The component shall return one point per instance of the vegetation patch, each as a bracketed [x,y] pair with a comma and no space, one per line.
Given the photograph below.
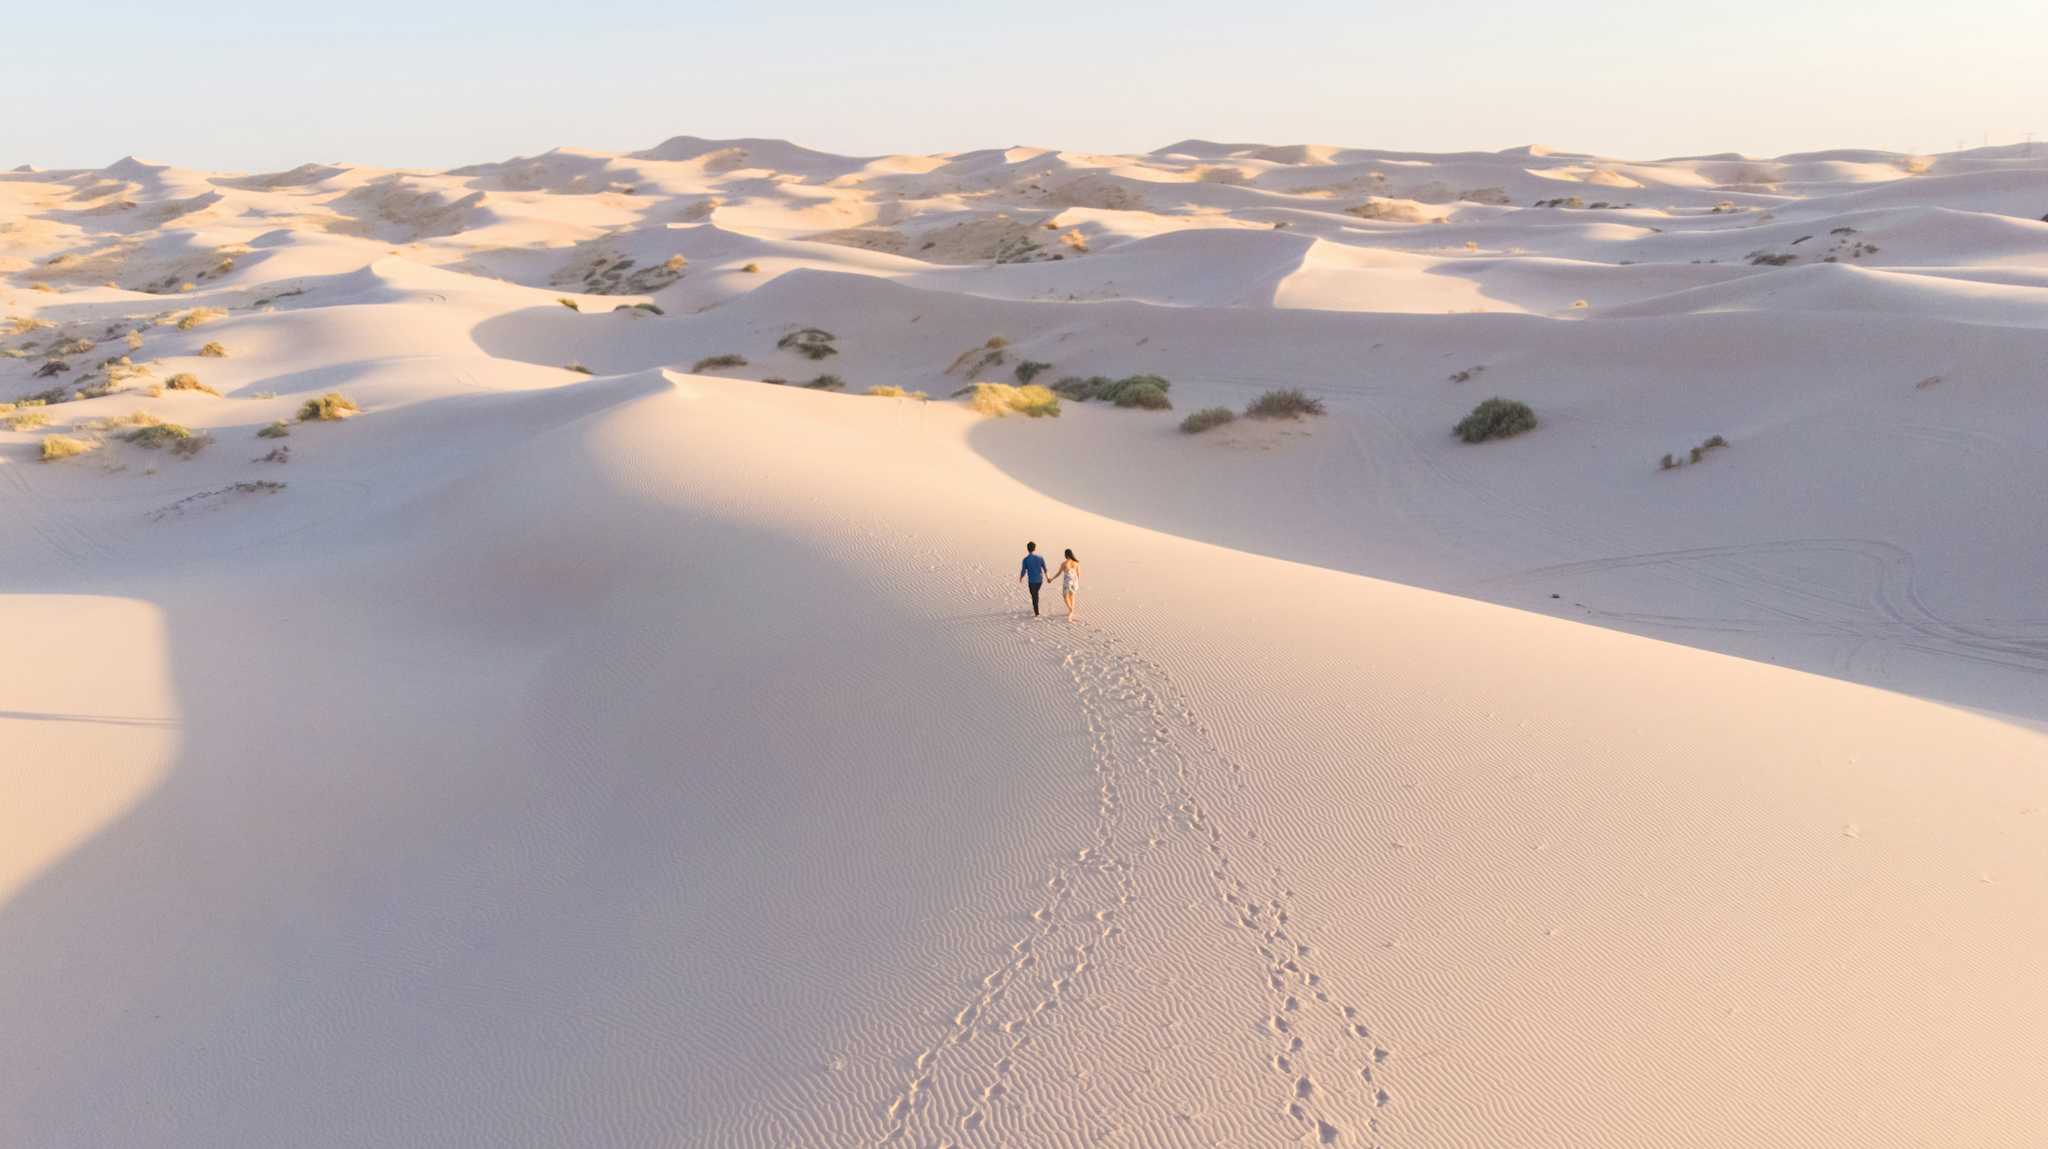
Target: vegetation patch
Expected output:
[57,447]
[1143,391]
[888,392]
[1207,418]
[1001,399]
[1495,418]
[1286,403]
[1031,369]
[179,438]
[199,315]
[578,368]
[827,383]
[25,420]
[809,342]
[326,408]
[184,381]
[277,430]
[569,303]
[715,362]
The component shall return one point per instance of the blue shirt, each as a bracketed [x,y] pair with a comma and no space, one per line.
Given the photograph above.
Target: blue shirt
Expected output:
[1034,568]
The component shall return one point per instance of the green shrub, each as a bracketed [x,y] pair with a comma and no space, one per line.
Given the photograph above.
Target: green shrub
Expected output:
[1145,395]
[1206,418]
[1285,403]
[277,430]
[1030,369]
[1495,419]
[715,362]
[827,383]
[327,407]
[1001,399]
[1150,390]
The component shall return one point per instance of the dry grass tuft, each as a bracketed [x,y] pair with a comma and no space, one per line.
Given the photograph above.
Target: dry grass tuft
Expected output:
[569,303]
[1207,418]
[999,399]
[26,420]
[199,315]
[213,351]
[185,381]
[809,342]
[327,408]
[57,447]
[715,362]
[889,392]
[277,430]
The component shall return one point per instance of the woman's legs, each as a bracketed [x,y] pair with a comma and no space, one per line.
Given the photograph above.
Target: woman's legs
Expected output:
[1070,606]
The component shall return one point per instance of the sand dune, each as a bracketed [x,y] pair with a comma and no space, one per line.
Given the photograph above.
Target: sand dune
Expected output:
[563,747]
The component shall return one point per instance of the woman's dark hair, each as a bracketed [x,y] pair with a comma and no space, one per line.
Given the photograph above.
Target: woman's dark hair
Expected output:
[1070,554]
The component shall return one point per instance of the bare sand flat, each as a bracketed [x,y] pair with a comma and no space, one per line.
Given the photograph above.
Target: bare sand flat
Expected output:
[568,735]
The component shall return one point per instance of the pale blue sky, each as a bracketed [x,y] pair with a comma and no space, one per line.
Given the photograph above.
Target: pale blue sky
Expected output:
[262,86]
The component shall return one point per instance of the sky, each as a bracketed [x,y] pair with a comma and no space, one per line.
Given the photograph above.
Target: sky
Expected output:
[264,86]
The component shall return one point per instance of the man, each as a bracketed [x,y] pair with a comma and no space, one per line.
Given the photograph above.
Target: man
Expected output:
[1033,573]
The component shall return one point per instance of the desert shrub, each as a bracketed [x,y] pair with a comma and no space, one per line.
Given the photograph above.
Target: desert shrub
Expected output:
[809,342]
[277,430]
[1466,375]
[1700,452]
[1144,395]
[1030,369]
[132,419]
[52,367]
[752,269]
[24,420]
[199,315]
[649,308]
[57,447]
[1668,463]
[133,340]
[327,407]
[53,395]
[569,303]
[1495,419]
[888,392]
[1103,389]
[827,383]
[714,362]
[1286,403]
[1206,418]
[1001,399]
[188,382]
[155,435]
[578,368]
[5,408]
[1771,259]
[98,389]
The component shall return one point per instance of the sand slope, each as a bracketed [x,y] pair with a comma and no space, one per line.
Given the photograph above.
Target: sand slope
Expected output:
[645,757]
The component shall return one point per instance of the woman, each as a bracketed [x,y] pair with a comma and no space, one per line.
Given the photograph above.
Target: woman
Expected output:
[1070,580]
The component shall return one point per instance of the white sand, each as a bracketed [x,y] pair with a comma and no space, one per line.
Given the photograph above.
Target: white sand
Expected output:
[652,758]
